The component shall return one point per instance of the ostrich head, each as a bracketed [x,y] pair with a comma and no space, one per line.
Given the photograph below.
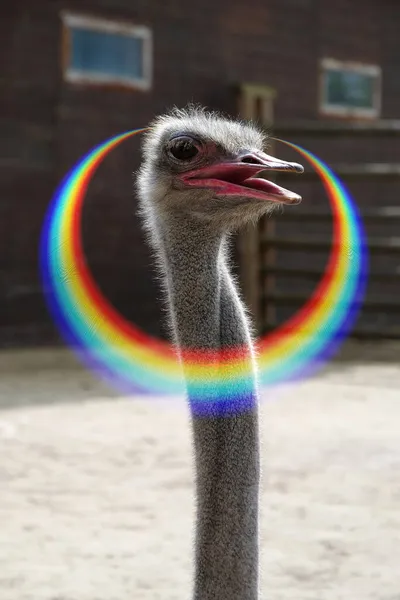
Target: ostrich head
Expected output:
[202,165]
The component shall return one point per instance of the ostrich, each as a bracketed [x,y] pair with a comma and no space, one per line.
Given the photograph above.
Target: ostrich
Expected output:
[196,185]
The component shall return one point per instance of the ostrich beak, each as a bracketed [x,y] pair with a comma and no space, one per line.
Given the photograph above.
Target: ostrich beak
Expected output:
[246,176]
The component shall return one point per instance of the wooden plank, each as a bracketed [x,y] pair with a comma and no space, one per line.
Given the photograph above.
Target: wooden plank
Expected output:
[390,244]
[382,213]
[371,305]
[354,171]
[388,127]
[384,292]
[393,333]
[362,333]
[316,274]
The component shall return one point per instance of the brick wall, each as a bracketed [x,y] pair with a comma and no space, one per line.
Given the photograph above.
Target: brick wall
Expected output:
[201,51]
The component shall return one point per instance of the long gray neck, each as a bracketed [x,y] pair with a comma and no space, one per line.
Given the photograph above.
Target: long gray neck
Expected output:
[207,314]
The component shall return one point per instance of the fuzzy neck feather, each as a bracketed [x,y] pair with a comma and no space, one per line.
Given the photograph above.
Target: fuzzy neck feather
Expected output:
[207,313]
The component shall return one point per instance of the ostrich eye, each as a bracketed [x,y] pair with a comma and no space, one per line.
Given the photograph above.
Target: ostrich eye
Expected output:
[183,149]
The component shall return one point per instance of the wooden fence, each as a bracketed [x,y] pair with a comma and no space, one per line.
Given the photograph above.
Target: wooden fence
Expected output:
[287,255]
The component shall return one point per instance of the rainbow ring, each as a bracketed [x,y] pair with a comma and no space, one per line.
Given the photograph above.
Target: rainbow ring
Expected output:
[134,362]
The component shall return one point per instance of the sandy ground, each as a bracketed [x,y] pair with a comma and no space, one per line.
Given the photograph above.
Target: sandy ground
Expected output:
[96,497]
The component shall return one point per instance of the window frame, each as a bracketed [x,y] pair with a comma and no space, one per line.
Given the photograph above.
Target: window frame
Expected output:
[102,25]
[335,110]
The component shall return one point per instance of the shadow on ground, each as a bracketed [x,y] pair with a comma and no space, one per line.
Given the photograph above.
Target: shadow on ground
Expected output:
[54,375]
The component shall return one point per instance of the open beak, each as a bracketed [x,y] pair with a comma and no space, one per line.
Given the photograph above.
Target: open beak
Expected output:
[246,176]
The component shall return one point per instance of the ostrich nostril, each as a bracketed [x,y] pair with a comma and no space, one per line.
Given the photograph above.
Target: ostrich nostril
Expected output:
[251,159]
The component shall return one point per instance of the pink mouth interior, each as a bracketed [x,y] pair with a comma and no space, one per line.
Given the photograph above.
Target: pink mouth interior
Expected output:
[236,179]
[269,187]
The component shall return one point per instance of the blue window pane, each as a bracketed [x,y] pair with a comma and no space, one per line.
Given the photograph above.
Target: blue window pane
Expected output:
[352,89]
[360,89]
[103,53]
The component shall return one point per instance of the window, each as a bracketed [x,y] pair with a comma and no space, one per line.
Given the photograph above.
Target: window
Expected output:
[99,51]
[350,89]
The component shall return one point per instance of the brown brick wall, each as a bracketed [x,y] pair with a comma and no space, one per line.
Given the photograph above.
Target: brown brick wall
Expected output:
[201,51]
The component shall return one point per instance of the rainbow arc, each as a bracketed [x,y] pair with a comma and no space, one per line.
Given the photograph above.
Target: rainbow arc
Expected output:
[135,362]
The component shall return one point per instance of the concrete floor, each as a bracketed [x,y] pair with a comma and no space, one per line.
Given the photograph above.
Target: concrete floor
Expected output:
[96,497]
